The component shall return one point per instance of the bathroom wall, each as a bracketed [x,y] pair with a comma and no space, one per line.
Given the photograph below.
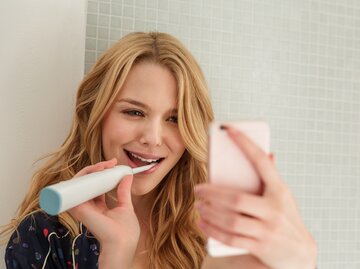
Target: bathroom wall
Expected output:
[293,63]
[42,61]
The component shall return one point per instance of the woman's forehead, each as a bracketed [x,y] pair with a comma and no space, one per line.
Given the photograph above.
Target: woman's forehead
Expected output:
[152,85]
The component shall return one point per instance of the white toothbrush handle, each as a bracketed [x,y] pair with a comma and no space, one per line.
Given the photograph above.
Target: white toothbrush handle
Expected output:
[62,196]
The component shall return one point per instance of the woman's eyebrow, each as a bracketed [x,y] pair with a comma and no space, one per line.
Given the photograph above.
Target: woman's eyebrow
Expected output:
[140,104]
[133,102]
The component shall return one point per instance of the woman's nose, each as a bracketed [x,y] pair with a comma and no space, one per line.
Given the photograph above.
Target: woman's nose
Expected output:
[152,134]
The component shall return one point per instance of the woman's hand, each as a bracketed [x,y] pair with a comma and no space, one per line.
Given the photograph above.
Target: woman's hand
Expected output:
[117,229]
[269,226]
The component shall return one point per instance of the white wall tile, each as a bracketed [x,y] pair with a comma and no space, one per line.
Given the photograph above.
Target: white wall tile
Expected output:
[293,63]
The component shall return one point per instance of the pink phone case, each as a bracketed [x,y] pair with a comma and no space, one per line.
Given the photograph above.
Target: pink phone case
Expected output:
[229,166]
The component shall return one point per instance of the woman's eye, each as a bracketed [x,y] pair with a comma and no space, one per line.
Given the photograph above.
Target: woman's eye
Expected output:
[135,113]
[173,119]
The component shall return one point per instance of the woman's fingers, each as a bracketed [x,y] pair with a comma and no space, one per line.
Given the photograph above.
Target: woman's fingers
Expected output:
[260,160]
[100,203]
[234,199]
[272,158]
[97,167]
[230,221]
[226,238]
[97,204]
[124,192]
[95,220]
[271,229]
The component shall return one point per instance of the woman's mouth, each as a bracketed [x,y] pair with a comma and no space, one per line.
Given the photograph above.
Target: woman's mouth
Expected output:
[136,159]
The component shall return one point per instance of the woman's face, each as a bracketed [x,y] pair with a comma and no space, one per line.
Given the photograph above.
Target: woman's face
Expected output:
[141,126]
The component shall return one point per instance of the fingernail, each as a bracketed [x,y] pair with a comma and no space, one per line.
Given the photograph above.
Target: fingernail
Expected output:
[223,127]
[228,128]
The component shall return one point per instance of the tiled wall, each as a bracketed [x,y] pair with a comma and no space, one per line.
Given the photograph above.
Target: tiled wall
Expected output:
[295,63]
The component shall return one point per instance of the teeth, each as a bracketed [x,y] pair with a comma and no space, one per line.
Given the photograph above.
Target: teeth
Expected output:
[143,159]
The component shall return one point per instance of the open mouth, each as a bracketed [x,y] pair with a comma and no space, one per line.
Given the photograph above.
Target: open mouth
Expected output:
[141,161]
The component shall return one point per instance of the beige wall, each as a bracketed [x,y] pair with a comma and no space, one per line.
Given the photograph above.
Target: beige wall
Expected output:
[42,61]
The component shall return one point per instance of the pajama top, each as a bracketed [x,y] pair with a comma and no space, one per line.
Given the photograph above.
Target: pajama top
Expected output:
[42,242]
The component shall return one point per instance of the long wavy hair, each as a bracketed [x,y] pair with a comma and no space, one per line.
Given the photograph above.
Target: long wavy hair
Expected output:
[175,240]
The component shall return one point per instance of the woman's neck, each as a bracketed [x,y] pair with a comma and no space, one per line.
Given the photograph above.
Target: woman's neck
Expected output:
[142,205]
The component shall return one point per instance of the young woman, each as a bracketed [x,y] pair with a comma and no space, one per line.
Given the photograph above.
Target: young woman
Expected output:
[146,101]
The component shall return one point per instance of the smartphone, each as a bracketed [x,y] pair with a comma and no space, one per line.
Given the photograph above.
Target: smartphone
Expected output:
[229,166]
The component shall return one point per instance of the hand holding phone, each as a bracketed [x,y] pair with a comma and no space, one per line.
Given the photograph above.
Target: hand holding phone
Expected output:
[229,166]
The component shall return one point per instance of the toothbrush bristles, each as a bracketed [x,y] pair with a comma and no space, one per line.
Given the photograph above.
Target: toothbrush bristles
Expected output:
[143,168]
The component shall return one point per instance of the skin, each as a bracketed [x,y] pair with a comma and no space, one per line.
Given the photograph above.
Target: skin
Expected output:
[142,120]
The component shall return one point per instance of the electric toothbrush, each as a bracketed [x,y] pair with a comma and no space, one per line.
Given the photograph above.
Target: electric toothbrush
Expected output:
[59,197]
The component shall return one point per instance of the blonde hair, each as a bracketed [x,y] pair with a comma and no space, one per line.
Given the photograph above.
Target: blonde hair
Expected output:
[176,242]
